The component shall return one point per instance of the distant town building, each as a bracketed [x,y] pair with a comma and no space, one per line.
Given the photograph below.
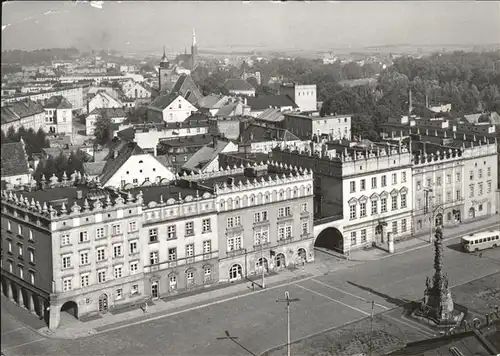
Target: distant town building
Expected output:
[303,95]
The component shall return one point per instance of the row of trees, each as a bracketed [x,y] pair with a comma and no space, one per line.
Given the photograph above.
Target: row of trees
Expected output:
[34,141]
[39,56]
[61,164]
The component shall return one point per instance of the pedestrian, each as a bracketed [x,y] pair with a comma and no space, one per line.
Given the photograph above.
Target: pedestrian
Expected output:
[480,254]
[253,286]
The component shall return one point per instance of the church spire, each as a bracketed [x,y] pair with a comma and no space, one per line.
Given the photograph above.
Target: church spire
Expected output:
[194,38]
[164,57]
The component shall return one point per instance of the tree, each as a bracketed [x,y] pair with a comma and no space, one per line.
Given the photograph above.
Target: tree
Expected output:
[103,131]
[253,82]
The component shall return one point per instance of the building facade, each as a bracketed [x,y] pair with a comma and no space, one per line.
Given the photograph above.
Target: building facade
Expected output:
[305,127]
[305,96]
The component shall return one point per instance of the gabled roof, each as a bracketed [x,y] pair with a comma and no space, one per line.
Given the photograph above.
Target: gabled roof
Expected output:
[93,168]
[109,112]
[20,109]
[57,102]
[212,101]
[107,96]
[258,133]
[163,101]
[127,134]
[186,87]
[14,160]
[271,115]
[271,101]
[113,164]
[238,84]
[226,110]
[204,156]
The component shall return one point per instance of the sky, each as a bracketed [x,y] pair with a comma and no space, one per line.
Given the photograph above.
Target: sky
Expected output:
[148,26]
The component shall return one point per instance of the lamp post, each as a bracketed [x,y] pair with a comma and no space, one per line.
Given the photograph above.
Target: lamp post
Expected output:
[261,243]
[287,300]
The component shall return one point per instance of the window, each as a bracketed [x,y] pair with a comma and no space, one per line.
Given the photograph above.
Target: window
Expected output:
[171,232]
[471,190]
[207,246]
[19,230]
[21,271]
[172,282]
[30,234]
[394,227]
[448,178]
[234,243]
[352,212]
[363,235]
[117,250]
[119,294]
[488,171]
[135,181]
[260,216]
[101,254]
[260,236]
[84,237]
[384,181]
[84,258]
[403,177]
[190,250]
[480,173]
[117,229]
[99,233]
[32,277]
[65,240]
[303,208]
[374,182]
[132,226]
[471,175]
[488,186]
[11,267]
[205,226]
[9,225]
[133,247]
[419,185]
[458,194]
[480,188]
[84,280]
[353,238]
[233,221]
[20,249]
[305,227]
[429,182]
[134,267]
[207,273]
[352,186]
[101,276]
[66,261]
[394,178]
[153,257]
[383,205]
[284,211]
[374,207]
[403,225]
[153,235]
[135,289]
[118,271]
[457,176]
[403,201]
[362,210]
[67,284]
[10,246]
[394,202]
[362,185]
[32,255]
[189,228]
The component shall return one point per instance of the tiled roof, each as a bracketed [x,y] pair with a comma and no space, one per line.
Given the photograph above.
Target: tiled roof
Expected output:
[237,84]
[14,160]
[110,112]
[127,134]
[212,101]
[226,110]
[204,156]
[164,101]
[271,114]
[258,133]
[188,141]
[268,101]
[94,168]
[18,110]
[57,102]
[113,164]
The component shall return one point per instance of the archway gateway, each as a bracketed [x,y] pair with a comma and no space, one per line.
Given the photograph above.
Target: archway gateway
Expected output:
[331,239]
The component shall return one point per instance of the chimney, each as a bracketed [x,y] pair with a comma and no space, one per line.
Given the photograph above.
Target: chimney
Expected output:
[79,194]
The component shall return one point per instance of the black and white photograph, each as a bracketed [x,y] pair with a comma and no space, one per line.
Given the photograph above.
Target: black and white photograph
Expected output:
[250,178]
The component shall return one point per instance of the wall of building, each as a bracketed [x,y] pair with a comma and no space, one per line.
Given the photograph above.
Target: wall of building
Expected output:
[100,102]
[338,127]
[305,96]
[137,169]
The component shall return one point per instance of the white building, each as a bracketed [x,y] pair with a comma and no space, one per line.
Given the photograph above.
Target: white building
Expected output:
[58,115]
[103,100]
[117,116]
[170,108]
[305,96]
[137,91]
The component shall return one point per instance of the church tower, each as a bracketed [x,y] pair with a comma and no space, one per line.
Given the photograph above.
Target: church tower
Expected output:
[194,50]
[163,72]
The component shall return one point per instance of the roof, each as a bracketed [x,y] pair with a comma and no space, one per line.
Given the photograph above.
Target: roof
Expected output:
[163,101]
[269,101]
[20,109]
[57,102]
[272,115]
[204,156]
[14,160]
[226,110]
[107,96]
[127,134]
[113,164]
[93,168]
[109,112]
[258,133]
[188,141]
[472,118]
[212,101]
[237,84]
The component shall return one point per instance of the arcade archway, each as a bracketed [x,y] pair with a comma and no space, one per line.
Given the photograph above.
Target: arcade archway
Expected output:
[331,239]
[71,308]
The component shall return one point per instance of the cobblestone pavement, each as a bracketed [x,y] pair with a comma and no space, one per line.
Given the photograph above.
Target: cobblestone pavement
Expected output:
[336,298]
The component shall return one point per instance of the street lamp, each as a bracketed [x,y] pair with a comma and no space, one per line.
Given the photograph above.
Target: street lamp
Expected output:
[287,300]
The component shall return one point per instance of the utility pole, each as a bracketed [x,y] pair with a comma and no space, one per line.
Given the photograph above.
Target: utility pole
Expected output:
[371,327]
[287,300]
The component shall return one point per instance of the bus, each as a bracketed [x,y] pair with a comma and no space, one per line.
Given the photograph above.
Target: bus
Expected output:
[481,240]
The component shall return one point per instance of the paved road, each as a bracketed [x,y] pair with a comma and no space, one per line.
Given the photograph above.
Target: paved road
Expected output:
[257,320]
